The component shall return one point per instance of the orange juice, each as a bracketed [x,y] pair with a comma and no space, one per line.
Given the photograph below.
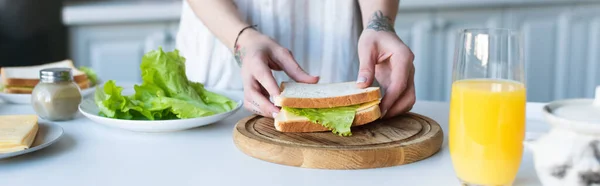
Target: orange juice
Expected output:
[487,127]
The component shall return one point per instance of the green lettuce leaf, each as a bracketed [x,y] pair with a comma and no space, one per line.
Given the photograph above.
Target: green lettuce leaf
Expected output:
[213,99]
[91,74]
[111,102]
[338,119]
[165,93]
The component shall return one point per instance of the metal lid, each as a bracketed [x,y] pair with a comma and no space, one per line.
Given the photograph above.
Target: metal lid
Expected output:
[50,75]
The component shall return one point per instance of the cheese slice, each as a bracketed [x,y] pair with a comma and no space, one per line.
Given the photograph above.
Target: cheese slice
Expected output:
[291,116]
[17,132]
[368,104]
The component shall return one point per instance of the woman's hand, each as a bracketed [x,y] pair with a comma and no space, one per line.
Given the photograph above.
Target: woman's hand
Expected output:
[259,55]
[383,55]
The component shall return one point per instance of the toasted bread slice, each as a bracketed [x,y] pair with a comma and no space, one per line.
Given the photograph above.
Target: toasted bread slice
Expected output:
[28,90]
[28,76]
[288,122]
[302,95]
[18,90]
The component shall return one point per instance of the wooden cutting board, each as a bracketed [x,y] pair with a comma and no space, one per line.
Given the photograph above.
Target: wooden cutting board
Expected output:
[395,141]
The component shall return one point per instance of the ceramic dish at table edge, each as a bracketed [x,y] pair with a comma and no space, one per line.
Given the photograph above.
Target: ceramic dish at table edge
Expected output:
[26,98]
[90,110]
[47,135]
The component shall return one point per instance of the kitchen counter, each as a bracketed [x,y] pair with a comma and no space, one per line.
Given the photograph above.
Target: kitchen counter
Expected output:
[93,154]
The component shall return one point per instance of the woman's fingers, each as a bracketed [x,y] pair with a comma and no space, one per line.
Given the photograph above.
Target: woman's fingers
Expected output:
[399,77]
[253,108]
[257,78]
[261,101]
[367,60]
[249,104]
[258,103]
[262,73]
[283,57]
[275,66]
[407,100]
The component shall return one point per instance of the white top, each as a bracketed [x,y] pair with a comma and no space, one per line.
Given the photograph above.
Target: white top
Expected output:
[322,35]
[95,155]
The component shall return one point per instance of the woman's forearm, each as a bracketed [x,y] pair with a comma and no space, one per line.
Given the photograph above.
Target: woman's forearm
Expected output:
[221,17]
[379,15]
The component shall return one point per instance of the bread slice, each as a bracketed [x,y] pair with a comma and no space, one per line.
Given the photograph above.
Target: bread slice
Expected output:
[28,90]
[18,90]
[302,95]
[28,76]
[288,122]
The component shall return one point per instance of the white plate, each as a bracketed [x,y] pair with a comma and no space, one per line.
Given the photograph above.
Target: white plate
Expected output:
[89,109]
[26,98]
[47,135]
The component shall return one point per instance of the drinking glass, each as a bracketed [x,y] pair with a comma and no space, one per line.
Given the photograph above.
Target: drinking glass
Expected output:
[487,107]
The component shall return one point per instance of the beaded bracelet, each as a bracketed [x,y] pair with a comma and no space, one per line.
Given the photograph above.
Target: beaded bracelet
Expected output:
[236,51]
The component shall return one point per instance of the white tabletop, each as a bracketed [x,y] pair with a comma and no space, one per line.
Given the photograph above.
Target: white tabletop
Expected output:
[92,154]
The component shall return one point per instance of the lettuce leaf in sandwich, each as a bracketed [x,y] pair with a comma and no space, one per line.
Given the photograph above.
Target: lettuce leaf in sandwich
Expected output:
[338,119]
[91,74]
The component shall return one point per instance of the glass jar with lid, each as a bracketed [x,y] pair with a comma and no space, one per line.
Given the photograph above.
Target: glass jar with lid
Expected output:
[56,97]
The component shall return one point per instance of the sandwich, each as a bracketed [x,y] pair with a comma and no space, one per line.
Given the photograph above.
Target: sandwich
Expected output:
[332,107]
[22,80]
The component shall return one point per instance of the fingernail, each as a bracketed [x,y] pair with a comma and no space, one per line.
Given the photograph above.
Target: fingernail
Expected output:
[383,114]
[361,79]
[274,114]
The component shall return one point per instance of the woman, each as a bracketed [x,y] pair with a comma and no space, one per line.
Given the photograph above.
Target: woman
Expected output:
[325,39]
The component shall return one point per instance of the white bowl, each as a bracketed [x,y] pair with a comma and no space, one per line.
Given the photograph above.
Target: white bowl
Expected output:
[568,154]
[47,134]
[89,109]
[26,98]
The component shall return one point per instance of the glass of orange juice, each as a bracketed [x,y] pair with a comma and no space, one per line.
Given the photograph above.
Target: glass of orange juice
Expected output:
[487,107]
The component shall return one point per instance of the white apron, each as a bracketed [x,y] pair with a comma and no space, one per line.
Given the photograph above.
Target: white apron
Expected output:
[322,35]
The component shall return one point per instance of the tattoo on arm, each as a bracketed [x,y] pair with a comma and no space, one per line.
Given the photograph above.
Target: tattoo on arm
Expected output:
[255,104]
[379,22]
[239,54]
[257,111]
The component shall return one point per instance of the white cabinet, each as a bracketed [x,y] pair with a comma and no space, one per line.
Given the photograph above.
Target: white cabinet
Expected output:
[561,46]
[431,36]
[543,46]
[444,42]
[115,51]
[579,59]
[588,17]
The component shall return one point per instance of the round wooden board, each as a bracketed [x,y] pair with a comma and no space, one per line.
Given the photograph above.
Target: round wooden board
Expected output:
[395,141]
